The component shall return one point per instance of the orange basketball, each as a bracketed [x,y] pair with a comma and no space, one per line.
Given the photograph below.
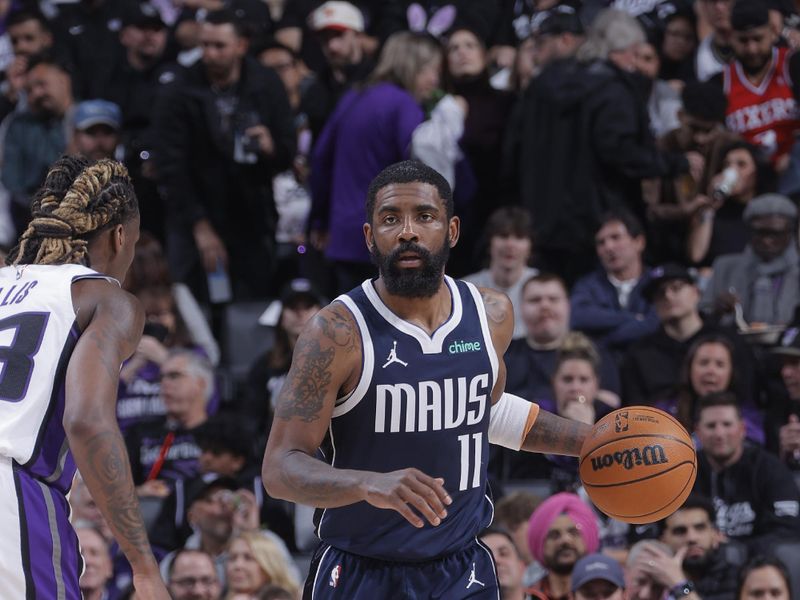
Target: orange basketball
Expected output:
[638,464]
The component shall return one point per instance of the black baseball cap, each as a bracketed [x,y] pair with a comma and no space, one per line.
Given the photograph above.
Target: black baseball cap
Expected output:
[597,566]
[749,14]
[201,487]
[301,289]
[144,15]
[557,20]
[666,272]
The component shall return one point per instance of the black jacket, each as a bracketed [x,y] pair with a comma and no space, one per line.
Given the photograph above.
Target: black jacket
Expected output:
[584,144]
[651,369]
[194,154]
[719,578]
[756,498]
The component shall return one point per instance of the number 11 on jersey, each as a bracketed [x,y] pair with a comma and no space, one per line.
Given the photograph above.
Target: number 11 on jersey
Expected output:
[463,441]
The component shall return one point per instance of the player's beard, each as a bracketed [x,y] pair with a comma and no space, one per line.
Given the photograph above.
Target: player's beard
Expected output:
[421,282]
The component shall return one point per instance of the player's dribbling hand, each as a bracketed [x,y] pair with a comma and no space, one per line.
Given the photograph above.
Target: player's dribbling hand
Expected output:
[400,490]
[150,587]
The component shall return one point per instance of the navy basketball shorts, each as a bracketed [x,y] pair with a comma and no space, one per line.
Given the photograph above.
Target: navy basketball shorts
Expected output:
[468,573]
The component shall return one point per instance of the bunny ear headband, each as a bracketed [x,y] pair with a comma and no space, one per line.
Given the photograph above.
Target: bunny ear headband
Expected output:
[441,20]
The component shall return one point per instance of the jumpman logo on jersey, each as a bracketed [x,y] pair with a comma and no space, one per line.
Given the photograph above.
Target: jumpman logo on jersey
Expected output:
[392,358]
[473,579]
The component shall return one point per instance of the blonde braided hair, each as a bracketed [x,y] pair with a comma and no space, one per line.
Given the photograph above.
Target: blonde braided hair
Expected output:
[77,199]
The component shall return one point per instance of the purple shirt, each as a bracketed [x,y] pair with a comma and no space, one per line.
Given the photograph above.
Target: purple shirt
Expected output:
[369,130]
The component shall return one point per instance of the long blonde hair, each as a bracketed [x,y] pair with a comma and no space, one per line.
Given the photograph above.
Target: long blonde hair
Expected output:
[404,55]
[272,560]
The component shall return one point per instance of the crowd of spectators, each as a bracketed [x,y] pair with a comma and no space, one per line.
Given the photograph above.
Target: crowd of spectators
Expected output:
[626,171]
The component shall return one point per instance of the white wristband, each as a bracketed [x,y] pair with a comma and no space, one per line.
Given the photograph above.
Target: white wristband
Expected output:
[507,421]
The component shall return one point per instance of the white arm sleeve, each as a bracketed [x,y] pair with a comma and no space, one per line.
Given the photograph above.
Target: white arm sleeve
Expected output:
[507,421]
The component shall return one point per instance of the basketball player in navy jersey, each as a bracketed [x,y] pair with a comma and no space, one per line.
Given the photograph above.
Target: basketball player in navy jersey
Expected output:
[401,383]
[65,329]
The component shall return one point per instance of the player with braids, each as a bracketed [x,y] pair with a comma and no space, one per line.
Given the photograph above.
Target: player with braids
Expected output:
[66,326]
[97,196]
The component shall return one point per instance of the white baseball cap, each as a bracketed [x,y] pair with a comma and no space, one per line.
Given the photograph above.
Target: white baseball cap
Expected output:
[337,15]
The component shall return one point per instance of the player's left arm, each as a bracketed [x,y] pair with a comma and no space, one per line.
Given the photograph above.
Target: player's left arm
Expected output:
[517,423]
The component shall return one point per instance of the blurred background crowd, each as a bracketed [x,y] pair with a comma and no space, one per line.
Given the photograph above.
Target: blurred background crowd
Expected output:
[626,171]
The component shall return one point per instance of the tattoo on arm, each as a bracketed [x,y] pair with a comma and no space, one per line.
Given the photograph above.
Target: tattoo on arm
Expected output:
[313,480]
[339,329]
[304,392]
[556,435]
[107,473]
[496,310]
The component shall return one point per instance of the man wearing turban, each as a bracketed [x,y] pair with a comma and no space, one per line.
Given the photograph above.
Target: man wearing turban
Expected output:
[560,531]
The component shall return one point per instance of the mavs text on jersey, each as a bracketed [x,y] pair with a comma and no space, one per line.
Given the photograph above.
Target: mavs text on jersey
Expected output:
[423,401]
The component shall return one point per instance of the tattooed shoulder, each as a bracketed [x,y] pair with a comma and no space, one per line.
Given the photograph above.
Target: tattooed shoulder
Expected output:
[312,378]
[497,305]
[337,324]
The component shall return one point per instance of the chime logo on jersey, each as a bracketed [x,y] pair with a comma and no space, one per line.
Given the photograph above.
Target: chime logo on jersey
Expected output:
[335,572]
[459,347]
[430,405]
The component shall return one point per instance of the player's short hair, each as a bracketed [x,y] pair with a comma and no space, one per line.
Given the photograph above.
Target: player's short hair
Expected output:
[717,399]
[704,100]
[410,171]
[77,201]
[693,502]
[620,215]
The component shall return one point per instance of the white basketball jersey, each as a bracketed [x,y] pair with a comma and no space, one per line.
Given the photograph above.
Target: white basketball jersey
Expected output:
[38,332]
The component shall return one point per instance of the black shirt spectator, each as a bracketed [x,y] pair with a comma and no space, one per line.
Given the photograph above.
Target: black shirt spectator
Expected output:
[224,129]
[89,33]
[651,369]
[586,145]
[756,498]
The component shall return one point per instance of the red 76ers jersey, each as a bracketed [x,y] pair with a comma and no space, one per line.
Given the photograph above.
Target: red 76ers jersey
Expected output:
[765,115]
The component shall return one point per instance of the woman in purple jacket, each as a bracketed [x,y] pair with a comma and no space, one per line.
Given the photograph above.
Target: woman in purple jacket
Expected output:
[370,129]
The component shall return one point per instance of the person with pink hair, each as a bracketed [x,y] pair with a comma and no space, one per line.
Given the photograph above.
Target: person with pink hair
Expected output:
[561,530]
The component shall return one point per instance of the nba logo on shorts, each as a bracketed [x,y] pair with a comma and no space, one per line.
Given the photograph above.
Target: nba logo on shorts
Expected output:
[335,572]
[621,422]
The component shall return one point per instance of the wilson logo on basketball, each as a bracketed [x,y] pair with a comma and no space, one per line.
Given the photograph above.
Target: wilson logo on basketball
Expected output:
[621,422]
[633,457]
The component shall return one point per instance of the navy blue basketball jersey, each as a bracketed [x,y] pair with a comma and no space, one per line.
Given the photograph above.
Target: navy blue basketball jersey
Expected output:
[422,401]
